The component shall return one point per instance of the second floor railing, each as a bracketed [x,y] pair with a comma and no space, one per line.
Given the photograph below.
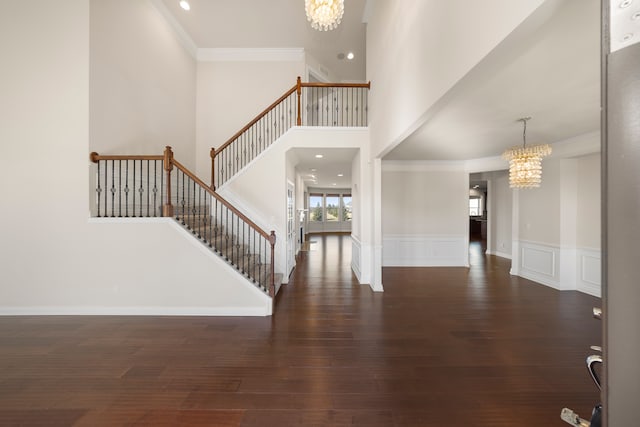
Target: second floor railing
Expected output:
[305,104]
[154,186]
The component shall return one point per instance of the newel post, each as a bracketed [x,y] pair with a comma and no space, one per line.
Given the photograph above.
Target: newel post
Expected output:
[299,92]
[212,153]
[272,286]
[167,208]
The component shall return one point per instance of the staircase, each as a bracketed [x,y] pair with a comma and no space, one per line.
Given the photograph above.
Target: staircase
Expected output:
[130,186]
[233,248]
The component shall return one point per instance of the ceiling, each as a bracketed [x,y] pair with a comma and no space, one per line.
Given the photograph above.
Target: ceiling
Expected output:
[277,24]
[323,172]
[548,68]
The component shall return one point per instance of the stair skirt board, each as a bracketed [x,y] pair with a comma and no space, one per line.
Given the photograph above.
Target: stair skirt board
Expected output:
[229,253]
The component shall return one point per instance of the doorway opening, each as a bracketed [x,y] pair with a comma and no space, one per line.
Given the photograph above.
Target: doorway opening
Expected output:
[478,219]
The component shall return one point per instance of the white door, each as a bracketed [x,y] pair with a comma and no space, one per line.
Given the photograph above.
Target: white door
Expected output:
[291,227]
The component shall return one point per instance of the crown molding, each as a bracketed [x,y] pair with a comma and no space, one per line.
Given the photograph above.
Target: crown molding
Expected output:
[183,37]
[486,164]
[251,54]
[423,166]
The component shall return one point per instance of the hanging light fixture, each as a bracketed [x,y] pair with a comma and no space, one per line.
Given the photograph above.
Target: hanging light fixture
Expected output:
[525,163]
[324,15]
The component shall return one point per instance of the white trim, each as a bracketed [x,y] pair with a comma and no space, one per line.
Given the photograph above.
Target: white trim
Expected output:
[376,279]
[183,37]
[540,263]
[425,250]
[581,145]
[356,254]
[486,164]
[500,254]
[588,275]
[133,311]
[562,268]
[422,166]
[294,54]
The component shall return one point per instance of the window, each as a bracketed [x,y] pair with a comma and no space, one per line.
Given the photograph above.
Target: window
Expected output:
[329,207]
[316,207]
[332,203]
[346,207]
[474,206]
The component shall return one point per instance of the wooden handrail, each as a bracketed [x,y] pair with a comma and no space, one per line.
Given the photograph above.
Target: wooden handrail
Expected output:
[167,163]
[220,199]
[282,98]
[298,118]
[95,157]
[256,119]
[319,84]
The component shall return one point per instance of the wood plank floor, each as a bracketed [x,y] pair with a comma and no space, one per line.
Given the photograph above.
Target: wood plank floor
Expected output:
[440,347]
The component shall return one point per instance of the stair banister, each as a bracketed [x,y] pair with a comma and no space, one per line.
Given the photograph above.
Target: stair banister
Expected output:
[272,286]
[167,208]
[299,93]
[214,153]
[326,104]
[271,237]
[119,187]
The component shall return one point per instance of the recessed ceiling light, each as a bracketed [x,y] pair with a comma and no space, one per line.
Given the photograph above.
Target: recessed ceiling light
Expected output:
[340,174]
[636,16]
[313,169]
[185,5]
[627,37]
[350,55]
[334,184]
[319,156]
[625,3]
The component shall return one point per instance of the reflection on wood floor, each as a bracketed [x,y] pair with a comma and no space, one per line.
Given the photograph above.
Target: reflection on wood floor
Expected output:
[440,347]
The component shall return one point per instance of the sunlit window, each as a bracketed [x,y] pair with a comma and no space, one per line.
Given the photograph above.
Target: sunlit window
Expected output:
[474,206]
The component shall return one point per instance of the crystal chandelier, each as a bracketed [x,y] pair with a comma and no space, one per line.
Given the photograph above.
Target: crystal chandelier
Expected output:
[324,15]
[525,163]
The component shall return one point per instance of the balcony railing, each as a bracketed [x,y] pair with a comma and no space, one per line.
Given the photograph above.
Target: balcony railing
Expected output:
[305,104]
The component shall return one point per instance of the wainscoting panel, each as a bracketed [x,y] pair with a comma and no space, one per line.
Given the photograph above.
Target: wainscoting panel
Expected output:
[425,251]
[569,268]
[540,263]
[589,272]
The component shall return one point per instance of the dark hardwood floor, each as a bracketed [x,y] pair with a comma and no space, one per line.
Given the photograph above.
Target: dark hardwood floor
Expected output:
[440,347]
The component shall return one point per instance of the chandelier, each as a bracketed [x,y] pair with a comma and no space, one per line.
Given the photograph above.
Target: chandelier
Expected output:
[525,163]
[324,15]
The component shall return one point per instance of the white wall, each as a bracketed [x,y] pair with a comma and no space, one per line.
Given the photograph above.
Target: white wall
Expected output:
[425,216]
[259,190]
[417,50]
[231,94]
[142,83]
[589,201]
[588,225]
[500,203]
[540,207]
[557,227]
[54,258]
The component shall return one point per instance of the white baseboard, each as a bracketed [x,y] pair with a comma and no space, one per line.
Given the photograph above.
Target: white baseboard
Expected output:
[500,254]
[134,311]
